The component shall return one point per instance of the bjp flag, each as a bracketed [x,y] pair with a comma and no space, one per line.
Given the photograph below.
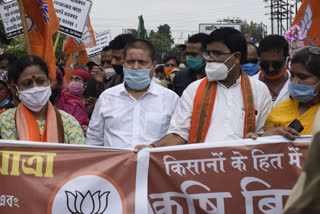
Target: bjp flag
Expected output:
[308,19]
[42,24]
[76,61]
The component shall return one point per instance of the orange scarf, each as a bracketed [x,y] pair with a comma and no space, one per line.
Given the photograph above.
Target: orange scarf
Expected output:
[275,77]
[203,107]
[28,128]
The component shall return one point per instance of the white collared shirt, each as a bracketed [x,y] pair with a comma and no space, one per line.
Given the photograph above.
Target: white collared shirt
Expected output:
[227,119]
[121,121]
[283,94]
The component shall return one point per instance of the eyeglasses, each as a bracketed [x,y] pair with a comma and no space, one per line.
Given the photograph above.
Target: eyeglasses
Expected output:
[315,50]
[254,61]
[216,54]
[277,65]
[29,83]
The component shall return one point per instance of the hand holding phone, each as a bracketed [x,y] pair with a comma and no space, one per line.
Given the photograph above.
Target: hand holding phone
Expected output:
[296,125]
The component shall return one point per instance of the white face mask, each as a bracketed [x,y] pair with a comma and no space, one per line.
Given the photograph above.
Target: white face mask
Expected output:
[108,72]
[217,71]
[35,98]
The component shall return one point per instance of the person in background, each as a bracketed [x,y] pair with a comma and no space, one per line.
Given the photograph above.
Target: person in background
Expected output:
[78,83]
[274,53]
[171,64]
[195,60]
[106,59]
[68,102]
[136,111]
[5,96]
[117,45]
[35,118]
[252,66]
[225,105]
[304,102]
[160,75]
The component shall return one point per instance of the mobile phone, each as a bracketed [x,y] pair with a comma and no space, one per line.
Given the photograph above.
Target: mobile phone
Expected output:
[91,90]
[296,125]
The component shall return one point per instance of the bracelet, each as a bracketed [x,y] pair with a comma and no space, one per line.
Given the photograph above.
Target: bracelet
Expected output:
[154,146]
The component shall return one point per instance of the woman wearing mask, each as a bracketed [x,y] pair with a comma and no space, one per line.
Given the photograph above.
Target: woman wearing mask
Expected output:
[78,82]
[304,93]
[35,118]
[5,102]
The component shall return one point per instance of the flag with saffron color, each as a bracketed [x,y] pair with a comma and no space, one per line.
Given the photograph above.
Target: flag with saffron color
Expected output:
[308,19]
[42,24]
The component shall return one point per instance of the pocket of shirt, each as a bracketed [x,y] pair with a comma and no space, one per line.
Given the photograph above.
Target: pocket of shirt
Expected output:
[154,125]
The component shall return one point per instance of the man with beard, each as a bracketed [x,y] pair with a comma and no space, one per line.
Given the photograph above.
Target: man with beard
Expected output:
[274,53]
[195,61]
[117,45]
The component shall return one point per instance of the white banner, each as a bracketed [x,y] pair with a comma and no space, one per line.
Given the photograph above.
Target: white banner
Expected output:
[11,20]
[208,28]
[102,40]
[72,15]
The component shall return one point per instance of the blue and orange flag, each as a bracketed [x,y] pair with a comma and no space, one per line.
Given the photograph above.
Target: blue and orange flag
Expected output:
[308,19]
[42,24]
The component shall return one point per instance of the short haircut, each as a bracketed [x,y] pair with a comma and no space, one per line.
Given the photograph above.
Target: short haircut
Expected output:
[167,58]
[16,69]
[274,43]
[159,69]
[106,48]
[232,38]
[120,41]
[199,38]
[253,45]
[11,58]
[309,60]
[140,44]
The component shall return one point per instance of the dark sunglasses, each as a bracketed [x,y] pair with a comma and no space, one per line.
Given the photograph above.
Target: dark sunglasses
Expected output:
[254,61]
[315,50]
[275,64]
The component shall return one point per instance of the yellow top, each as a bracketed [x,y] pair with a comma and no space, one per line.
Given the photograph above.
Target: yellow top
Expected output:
[285,112]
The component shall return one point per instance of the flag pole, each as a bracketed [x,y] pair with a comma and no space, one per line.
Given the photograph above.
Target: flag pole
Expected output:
[24,25]
[56,42]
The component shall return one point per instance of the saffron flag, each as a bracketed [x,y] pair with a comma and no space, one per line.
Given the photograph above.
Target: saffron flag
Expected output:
[77,49]
[308,19]
[42,24]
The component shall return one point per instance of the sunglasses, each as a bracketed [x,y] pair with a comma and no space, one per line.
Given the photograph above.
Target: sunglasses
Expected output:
[277,65]
[315,50]
[254,61]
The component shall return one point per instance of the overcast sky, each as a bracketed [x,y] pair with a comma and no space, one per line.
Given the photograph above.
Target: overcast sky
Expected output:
[183,16]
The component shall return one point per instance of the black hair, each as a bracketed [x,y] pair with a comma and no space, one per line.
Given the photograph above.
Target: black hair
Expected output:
[232,38]
[160,69]
[106,48]
[140,44]
[274,43]
[11,58]
[167,58]
[199,38]
[16,69]
[120,41]
[309,60]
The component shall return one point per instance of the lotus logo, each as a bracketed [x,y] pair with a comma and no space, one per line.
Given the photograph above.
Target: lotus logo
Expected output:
[87,204]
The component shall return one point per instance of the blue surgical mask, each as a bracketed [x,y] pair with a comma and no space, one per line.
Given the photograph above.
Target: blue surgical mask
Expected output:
[4,103]
[250,68]
[137,79]
[302,93]
[194,63]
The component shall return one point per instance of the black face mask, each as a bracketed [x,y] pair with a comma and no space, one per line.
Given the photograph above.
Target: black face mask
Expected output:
[54,95]
[118,69]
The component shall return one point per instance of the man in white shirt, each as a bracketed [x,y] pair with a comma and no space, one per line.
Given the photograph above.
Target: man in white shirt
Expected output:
[225,105]
[274,53]
[137,111]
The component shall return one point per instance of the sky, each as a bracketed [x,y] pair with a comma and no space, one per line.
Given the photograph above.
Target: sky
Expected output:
[183,16]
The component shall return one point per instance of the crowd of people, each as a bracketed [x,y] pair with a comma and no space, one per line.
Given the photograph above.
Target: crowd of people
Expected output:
[224,89]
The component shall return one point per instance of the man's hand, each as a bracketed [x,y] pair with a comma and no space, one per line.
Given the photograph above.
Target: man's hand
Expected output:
[251,135]
[139,147]
[84,129]
[287,132]
[99,75]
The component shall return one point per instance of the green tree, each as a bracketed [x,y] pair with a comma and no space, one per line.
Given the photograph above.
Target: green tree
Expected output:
[162,41]
[256,30]
[141,32]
